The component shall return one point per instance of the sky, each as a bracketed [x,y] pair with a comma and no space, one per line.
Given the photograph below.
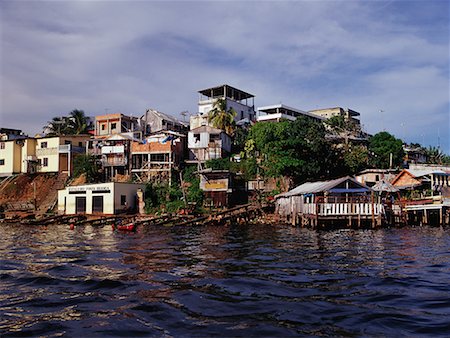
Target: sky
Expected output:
[388,60]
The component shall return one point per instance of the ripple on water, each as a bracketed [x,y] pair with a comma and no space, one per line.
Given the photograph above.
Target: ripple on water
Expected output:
[256,280]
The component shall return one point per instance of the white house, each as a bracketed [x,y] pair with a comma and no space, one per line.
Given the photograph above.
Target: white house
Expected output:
[207,143]
[102,198]
[242,103]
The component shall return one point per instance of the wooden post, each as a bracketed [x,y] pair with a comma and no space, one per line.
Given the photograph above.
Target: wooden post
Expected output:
[373,211]
[441,209]
[425,216]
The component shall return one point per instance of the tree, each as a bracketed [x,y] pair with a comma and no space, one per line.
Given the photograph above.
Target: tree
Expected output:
[222,118]
[57,126]
[87,165]
[74,124]
[381,146]
[78,122]
[296,149]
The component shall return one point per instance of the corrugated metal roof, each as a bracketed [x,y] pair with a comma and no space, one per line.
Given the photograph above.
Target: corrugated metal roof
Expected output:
[320,186]
[420,173]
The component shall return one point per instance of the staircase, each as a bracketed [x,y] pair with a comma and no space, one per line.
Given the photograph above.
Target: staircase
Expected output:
[4,183]
[50,201]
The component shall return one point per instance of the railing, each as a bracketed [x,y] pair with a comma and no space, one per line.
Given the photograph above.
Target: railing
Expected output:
[342,209]
[114,162]
[46,151]
[67,148]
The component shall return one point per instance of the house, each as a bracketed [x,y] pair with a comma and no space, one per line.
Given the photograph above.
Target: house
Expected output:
[154,121]
[114,154]
[155,157]
[207,143]
[111,124]
[56,153]
[221,188]
[414,154]
[280,111]
[422,180]
[242,103]
[10,134]
[102,198]
[343,201]
[10,157]
[370,177]
[348,114]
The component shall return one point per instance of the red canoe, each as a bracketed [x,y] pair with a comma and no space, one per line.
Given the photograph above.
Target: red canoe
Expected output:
[126,227]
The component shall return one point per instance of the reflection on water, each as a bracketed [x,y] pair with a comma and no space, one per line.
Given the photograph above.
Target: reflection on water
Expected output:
[255,280]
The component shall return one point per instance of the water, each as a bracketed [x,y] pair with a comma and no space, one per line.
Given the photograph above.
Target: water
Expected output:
[223,281]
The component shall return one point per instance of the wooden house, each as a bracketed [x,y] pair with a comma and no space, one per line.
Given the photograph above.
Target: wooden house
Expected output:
[221,188]
[342,201]
[207,143]
[421,180]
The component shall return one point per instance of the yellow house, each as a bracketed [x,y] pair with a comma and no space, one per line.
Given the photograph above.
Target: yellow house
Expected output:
[10,157]
[56,153]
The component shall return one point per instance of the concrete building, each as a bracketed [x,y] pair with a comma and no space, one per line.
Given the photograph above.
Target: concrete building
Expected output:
[347,113]
[207,143]
[10,157]
[11,134]
[242,102]
[102,198]
[370,177]
[56,153]
[275,113]
[155,157]
[154,121]
[111,124]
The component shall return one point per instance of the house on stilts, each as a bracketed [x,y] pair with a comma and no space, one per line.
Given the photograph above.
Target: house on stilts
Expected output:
[342,202]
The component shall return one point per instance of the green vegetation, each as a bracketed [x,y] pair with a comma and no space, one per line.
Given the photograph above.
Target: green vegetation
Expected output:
[75,124]
[223,118]
[381,145]
[86,164]
[162,198]
[297,150]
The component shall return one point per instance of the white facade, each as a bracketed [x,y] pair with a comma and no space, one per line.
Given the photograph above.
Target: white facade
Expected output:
[277,112]
[207,143]
[102,198]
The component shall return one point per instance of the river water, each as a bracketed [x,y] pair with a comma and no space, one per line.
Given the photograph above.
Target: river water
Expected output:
[258,280]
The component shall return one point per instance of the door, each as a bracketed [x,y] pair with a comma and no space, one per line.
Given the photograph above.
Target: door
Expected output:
[97,204]
[80,205]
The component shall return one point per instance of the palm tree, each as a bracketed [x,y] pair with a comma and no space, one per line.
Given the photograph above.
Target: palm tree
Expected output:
[78,122]
[435,155]
[223,118]
[57,126]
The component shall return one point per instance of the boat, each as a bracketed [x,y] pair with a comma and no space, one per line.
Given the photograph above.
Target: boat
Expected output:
[125,227]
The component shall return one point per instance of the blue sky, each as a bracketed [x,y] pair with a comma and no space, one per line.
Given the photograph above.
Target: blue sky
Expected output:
[127,56]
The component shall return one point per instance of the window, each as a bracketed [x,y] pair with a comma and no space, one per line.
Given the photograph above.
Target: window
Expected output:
[113,125]
[196,137]
[43,145]
[2,161]
[67,142]
[45,162]
[214,137]
[103,126]
[2,145]
[123,200]
[80,144]
[377,178]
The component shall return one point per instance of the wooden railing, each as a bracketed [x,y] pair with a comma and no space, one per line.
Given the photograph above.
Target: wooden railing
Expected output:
[342,209]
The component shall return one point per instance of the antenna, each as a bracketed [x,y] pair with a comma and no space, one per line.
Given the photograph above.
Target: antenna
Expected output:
[184,113]
[382,119]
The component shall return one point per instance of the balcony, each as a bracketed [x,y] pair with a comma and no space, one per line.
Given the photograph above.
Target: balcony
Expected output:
[68,148]
[114,161]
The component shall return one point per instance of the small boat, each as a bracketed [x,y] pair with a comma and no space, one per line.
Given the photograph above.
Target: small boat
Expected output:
[126,227]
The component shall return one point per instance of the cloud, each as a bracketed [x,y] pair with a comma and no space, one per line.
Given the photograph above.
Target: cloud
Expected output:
[129,56]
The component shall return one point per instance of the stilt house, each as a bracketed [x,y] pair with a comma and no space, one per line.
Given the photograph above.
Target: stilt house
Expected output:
[342,201]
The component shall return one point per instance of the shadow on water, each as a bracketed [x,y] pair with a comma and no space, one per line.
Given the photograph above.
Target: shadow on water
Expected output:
[257,280]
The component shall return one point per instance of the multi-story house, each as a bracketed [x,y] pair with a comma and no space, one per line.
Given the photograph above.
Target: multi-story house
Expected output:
[207,143]
[154,121]
[155,157]
[111,124]
[240,101]
[56,153]
[277,112]
[10,157]
[348,114]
